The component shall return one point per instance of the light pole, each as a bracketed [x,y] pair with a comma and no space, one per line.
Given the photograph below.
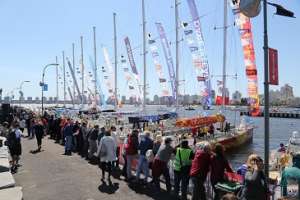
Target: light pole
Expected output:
[42,83]
[20,88]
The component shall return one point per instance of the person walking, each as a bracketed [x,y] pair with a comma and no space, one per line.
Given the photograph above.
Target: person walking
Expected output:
[255,185]
[68,135]
[131,149]
[93,135]
[14,146]
[39,133]
[219,164]
[107,154]
[199,170]
[84,132]
[143,166]
[182,167]
[114,134]
[160,164]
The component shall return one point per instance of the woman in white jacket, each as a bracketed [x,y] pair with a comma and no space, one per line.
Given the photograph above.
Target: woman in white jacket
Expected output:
[107,154]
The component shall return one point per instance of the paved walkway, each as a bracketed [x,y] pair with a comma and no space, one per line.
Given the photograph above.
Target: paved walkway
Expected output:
[49,175]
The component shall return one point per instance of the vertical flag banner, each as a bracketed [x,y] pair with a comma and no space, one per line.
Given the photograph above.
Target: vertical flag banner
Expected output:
[244,25]
[132,64]
[108,73]
[200,60]
[74,78]
[168,56]
[273,66]
[133,89]
[158,67]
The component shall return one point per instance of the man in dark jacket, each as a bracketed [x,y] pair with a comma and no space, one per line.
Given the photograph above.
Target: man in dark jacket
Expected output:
[199,169]
[68,135]
[143,165]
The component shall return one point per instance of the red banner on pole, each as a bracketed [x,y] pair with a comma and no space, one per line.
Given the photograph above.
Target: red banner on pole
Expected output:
[273,66]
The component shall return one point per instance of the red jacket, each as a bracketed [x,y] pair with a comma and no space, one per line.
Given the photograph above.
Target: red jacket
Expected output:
[200,164]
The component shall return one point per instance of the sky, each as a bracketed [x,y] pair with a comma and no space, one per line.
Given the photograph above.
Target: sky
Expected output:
[34,32]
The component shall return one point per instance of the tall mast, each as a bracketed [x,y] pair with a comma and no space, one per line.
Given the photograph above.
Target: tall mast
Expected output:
[73,63]
[82,71]
[116,62]
[224,55]
[57,92]
[144,55]
[95,64]
[177,53]
[64,71]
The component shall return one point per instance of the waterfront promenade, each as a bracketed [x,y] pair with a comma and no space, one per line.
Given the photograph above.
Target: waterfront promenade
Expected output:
[49,175]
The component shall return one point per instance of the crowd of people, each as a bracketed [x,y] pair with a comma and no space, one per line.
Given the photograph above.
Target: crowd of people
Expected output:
[143,151]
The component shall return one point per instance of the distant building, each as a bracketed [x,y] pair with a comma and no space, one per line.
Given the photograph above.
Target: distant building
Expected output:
[156,100]
[286,93]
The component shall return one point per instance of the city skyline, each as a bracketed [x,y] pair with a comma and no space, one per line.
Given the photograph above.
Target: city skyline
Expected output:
[33,42]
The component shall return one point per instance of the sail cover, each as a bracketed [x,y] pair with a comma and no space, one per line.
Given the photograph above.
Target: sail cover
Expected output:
[200,60]
[244,25]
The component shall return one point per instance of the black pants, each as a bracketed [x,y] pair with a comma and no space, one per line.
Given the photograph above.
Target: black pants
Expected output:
[183,178]
[166,175]
[124,170]
[198,189]
[39,140]
[106,166]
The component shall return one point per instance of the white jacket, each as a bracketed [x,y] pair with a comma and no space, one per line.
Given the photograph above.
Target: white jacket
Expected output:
[110,146]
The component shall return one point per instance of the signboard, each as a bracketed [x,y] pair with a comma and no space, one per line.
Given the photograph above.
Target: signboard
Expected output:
[45,87]
[273,66]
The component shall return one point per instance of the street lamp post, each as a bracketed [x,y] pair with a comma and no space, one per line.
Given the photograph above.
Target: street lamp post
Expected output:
[20,88]
[42,83]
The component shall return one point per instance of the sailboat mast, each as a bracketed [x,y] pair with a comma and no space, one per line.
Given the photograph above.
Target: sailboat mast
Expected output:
[64,71]
[224,54]
[116,64]
[95,64]
[144,56]
[82,71]
[73,62]
[177,53]
[57,91]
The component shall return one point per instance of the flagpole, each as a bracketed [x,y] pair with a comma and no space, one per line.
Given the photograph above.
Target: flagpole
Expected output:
[73,62]
[82,71]
[116,61]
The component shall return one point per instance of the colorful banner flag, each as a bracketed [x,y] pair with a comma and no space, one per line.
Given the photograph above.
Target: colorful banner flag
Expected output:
[133,66]
[168,56]
[158,67]
[200,60]
[244,25]
[273,66]
[131,81]
[130,56]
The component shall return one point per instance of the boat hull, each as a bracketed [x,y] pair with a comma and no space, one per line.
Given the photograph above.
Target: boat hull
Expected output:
[237,140]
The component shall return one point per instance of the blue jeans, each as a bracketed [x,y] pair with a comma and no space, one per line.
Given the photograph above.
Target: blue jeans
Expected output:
[143,166]
[68,143]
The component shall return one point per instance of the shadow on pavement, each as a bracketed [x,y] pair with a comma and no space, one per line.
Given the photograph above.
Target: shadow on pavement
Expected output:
[36,151]
[109,189]
[150,191]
